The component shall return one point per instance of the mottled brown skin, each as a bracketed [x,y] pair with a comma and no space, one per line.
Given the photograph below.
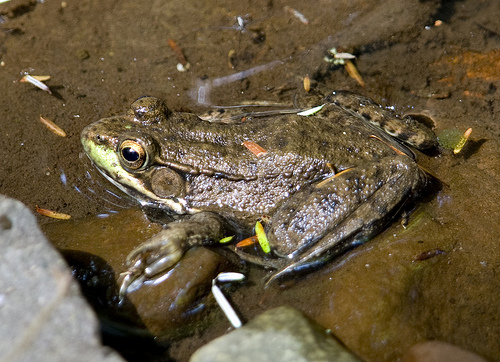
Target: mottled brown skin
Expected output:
[185,165]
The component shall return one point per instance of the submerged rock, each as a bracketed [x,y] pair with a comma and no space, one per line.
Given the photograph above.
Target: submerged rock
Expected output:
[44,317]
[96,248]
[436,351]
[280,334]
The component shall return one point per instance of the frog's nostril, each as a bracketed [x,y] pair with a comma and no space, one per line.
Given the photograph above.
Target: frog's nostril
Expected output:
[98,138]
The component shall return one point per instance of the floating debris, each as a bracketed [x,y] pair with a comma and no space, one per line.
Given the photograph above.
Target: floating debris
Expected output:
[52,214]
[311,111]
[221,299]
[344,56]
[226,240]
[330,178]
[298,15]
[203,88]
[262,238]
[253,147]
[427,94]
[338,58]
[230,277]
[353,72]
[454,139]
[182,68]
[429,254]
[82,54]
[41,78]
[230,58]
[54,128]
[37,83]
[64,179]
[244,74]
[345,60]
[398,151]
[182,65]
[242,23]
[247,242]
[462,141]
[307,83]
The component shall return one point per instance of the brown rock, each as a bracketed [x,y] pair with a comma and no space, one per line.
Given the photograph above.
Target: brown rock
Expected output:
[436,351]
[97,248]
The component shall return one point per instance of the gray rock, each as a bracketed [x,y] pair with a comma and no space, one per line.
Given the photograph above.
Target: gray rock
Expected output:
[43,315]
[280,334]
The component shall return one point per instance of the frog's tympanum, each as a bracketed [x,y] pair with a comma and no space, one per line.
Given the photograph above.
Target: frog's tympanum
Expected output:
[328,182]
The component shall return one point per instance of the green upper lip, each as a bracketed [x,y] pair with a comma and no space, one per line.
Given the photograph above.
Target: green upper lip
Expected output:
[105,158]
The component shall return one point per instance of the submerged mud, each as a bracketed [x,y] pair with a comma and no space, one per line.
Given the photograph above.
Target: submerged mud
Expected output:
[434,58]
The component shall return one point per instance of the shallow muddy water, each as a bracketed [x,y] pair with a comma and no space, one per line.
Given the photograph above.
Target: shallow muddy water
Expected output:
[441,59]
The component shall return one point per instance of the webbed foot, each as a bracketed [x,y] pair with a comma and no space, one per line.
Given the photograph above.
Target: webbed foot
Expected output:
[151,259]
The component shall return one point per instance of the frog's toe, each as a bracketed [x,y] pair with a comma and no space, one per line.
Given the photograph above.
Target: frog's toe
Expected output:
[130,280]
[306,265]
[156,255]
[159,244]
[150,259]
[280,274]
[144,270]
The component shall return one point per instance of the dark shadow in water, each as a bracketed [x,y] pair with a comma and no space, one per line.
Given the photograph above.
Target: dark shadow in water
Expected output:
[447,10]
[55,93]
[121,326]
[472,147]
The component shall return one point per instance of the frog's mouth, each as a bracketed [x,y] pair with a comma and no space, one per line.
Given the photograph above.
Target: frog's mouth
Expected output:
[107,163]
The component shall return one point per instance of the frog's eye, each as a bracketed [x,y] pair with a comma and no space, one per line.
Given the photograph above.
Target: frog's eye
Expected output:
[132,154]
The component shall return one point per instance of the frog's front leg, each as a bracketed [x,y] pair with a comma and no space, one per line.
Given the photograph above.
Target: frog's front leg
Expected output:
[167,247]
[341,212]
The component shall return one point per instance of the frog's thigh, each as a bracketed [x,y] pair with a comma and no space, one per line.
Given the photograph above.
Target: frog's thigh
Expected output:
[406,129]
[346,210]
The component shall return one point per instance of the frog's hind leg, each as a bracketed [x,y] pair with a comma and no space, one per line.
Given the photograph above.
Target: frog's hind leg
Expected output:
[259,260]
[308,265]
[345,211]
[405,129]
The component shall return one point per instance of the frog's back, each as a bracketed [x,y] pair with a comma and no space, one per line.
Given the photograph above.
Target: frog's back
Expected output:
[298,150]
[332,136]
[292,144]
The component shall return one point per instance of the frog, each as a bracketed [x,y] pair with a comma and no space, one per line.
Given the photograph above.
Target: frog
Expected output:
[326,180]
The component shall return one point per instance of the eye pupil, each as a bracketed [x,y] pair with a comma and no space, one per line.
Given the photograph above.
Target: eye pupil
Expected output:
[130,154]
